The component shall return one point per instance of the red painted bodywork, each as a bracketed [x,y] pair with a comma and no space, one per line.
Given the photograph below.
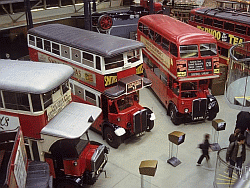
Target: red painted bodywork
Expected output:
[77,167]
[31,125]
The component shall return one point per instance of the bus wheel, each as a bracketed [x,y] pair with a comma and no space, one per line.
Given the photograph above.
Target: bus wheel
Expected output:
[173,116]
[67,184]
[111,138]
[211,115]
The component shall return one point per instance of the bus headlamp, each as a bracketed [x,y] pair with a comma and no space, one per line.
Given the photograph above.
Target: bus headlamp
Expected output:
[118,119]
[120,131]
[186,110]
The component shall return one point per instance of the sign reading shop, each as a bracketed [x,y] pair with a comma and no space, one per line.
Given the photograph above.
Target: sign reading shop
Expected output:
[224,37]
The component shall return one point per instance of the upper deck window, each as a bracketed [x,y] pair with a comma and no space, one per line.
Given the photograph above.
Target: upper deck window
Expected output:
[47,46]
[16,101]
[218,23]
[87,59]
[55,48]
[145,30]
[114,62]
[39,43]
[36,102]
[229,26]
[173,49]
[65,51]
[165,44]
[76,55]
[188,51]
[151,34]
[199,18]
[240,29]
[31,40]
[1,102]
[157,38]
[208,49]
[98,62]
[208,21]
[133,56]
[140,26]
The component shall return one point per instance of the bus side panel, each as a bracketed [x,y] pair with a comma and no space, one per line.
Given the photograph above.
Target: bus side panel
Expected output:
[31,125]
[158,87]
[33,54]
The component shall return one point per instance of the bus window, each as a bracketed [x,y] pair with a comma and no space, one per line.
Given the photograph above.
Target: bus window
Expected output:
[36,102]
[164,79]
[76,55]
[218,23]
[47,99]
[79,92]
[157,38]
[228,26]
[173,49]
[55,48]
[87,59]
[90,97]
[114,62]
[145,30]
[208,21]
[32,40]
[47,46]
[188,51]
[208,49]
[112,108]
[223,51]
[151,34]
[39,43]
[98,62]
[176,88]
[125,103]
[16,101]
[248,31]
[240,29]
[65,51]
[65,87]
[165,44]
[140,26]
[198,19]
[133,56]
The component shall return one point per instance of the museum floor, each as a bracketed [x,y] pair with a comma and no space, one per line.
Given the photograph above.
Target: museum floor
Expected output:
[123,165]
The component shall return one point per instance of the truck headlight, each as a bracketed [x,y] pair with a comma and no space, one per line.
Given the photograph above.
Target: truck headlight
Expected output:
[118,119]
[120,131]
[152,117]
[186,110]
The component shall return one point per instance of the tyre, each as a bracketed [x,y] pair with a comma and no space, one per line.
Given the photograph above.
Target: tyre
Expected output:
[211,115]
[111,138]
[173,116]
[67,184]
[150,127]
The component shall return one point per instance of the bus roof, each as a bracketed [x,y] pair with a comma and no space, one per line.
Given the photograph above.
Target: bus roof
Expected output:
[175,30]
[32,77]
[96,43]
[237,17]
[74,120]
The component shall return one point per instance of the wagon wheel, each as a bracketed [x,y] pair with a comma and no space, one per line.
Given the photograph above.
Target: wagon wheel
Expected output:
[105,22]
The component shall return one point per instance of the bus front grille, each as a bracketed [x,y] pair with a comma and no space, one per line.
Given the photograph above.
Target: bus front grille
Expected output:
[140,121]
[199,109]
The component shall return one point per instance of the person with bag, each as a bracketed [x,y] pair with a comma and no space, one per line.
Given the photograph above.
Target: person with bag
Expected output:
[204,148]
[236,154]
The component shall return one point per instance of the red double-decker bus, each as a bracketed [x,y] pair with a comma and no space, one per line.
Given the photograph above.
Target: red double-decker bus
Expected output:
[107,70]
[229,23]
[180,60]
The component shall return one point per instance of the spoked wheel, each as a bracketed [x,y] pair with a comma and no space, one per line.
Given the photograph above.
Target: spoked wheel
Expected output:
[173,116]
[105,22]
[67,184]
[111,138]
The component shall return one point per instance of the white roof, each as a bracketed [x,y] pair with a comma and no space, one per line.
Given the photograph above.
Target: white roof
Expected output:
[72,121]
[32,77]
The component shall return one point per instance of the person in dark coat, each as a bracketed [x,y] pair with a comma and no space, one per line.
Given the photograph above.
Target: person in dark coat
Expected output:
[243,121]
[204,147]
[233,137]
[236,154]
